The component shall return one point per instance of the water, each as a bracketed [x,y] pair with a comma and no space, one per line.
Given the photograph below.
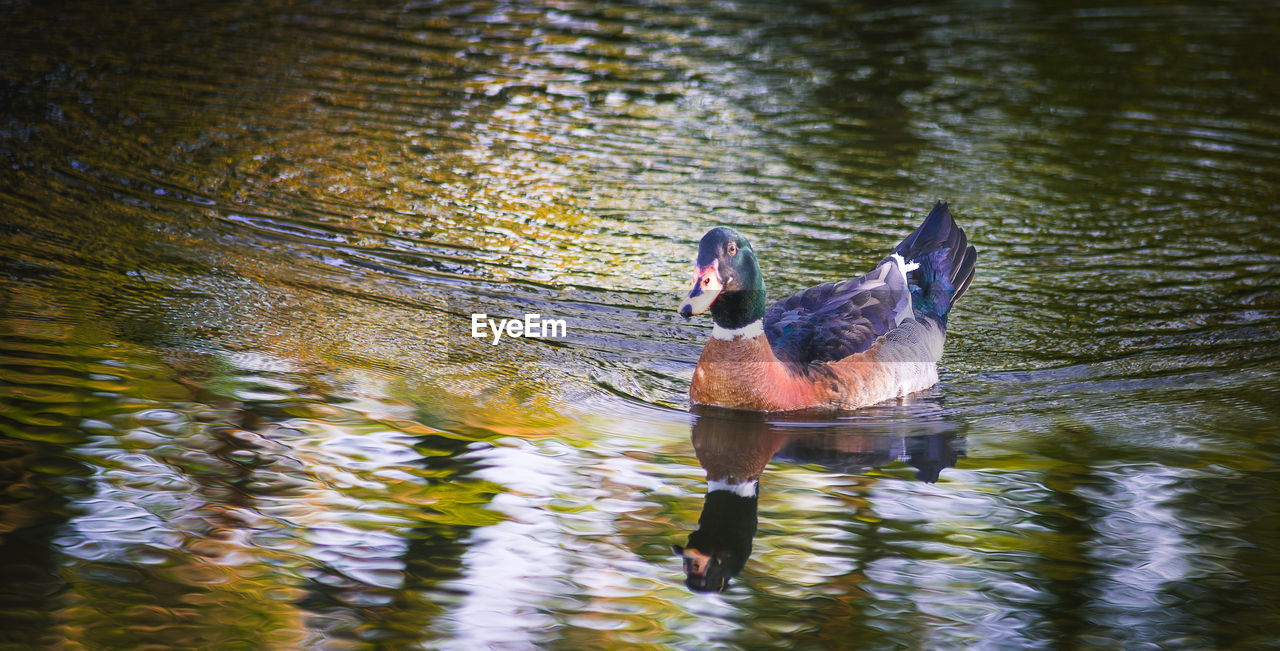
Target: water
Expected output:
[240,247]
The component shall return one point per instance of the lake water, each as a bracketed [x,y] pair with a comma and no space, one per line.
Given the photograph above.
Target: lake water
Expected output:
[240,402]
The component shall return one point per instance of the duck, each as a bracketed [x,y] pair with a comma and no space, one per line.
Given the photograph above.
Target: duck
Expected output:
[837,346]
[735,447]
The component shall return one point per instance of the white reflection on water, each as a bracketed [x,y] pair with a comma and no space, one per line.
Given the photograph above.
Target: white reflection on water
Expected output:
[139,502]
[562,554]
[1140,547]
[511,567]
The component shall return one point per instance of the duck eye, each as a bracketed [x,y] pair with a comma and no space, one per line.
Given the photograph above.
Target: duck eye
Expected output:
[706,280]
[733,248]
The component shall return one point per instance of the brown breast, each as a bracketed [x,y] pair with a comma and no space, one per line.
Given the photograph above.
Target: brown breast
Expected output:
[744,374]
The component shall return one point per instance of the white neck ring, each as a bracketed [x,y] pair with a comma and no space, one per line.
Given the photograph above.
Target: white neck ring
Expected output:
[749,331]
[741,489]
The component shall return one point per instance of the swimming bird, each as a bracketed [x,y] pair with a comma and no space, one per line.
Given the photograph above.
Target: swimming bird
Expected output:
[734,447]
[837,346]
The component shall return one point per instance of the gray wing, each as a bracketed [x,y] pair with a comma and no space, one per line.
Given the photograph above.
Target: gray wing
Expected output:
[835,320]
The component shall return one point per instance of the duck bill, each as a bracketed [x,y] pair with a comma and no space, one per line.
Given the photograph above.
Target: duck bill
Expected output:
[695,561]
[706,287]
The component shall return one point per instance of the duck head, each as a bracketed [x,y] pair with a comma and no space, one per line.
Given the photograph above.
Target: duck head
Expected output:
[719,549]
[726,280]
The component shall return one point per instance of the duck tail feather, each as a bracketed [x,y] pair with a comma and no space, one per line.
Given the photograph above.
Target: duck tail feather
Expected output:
[939,230]
[962,276]
[945,261]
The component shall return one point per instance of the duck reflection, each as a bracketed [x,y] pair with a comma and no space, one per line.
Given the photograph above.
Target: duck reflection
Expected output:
[734,447]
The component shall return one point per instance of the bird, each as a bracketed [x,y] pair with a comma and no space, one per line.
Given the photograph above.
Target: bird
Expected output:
[734,447]
[837,346]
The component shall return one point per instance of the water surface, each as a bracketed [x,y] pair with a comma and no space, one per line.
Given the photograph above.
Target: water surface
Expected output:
[240,245]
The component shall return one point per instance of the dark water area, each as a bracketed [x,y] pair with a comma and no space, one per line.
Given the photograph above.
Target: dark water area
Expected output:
[241,244]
